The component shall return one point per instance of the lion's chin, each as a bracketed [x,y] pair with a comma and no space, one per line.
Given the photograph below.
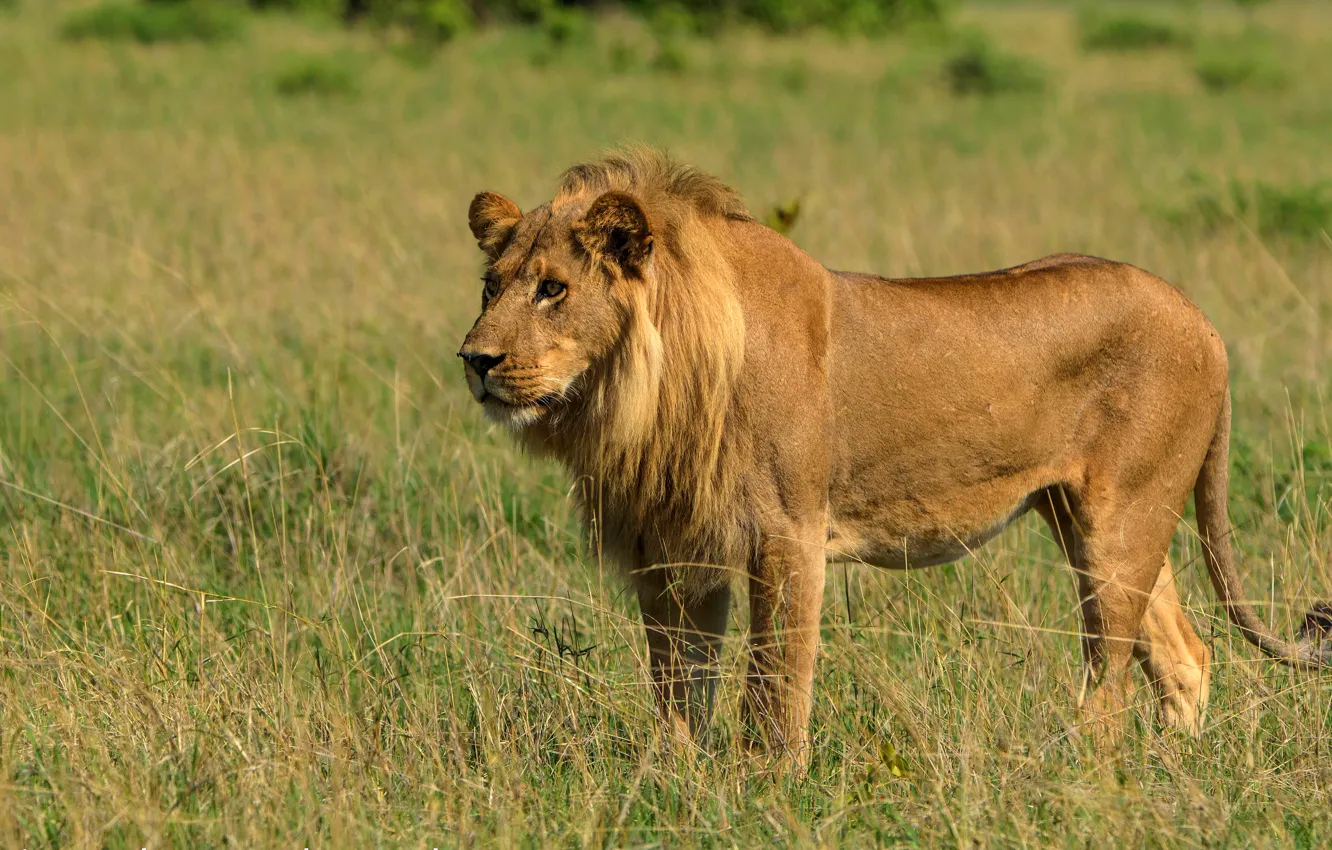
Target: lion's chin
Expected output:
[514,416]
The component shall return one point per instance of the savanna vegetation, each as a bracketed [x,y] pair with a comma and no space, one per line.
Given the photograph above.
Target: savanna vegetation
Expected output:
[267,579]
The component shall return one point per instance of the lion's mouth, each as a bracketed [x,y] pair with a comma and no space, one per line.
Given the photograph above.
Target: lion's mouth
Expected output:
[517,401]
[543,402]
[518,413]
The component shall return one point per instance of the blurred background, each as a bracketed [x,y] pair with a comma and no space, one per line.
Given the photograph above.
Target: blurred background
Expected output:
[267,578]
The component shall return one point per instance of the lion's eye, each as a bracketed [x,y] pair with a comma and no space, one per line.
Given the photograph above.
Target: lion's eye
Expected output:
[492,287]
[551,288]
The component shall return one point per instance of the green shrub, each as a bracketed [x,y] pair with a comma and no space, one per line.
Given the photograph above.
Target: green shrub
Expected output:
[432,22]
[693,17]
[1291,212]
[1301,212]
[671,20]
[1303,487]
[325,6]
[435,22]
[563,27]
[671,57]
[439,20]
[623,57]
[1222,69]
[1123,31]
[862,16]
[794,76]
[324,76]
[781,217]
[981,69]
[157,22]
[1251,59]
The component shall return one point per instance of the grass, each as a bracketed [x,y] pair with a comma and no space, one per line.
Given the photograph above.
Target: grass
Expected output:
[326,76]
[1122,31]
[1238,63]
[978,68]
[153,23]
[1301,212]
[267,579]
[671,57]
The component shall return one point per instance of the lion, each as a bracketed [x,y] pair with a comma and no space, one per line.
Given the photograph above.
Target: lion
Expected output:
[732,411]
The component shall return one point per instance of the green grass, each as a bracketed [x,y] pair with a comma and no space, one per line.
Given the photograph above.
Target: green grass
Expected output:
[1252,62]
[153,23]
[1301,212]
[1103,29]
[267,578]
[325,76]
[978,68]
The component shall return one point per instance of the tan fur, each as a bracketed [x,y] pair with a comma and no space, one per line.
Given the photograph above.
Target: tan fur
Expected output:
[729,407]
[492,218]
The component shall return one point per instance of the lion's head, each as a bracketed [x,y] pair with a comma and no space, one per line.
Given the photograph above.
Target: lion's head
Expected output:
[597,283]
[556,297]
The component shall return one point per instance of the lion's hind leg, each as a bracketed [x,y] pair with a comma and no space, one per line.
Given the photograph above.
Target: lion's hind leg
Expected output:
[1117,547]
[1174,658]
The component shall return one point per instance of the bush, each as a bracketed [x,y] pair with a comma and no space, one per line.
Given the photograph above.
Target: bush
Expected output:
[1292,212]
[671,57]
[863,16]
[443,19]
[317,75]
[437,20]
[1223,67]
[326,6]
[1120,31]
[978,68]
[156,22]
[1251,59]
[781,217]
[695,17]
[563,27]
[623,57]
[671,20]
[431,21]
[1301,212]
[794,77]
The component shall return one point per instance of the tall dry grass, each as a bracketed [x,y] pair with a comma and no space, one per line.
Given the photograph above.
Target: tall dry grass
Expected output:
[267,578]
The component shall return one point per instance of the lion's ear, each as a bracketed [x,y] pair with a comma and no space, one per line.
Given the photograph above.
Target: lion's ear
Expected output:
[492,218]
[615,230]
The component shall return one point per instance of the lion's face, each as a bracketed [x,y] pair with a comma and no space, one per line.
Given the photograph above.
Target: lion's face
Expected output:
[550,307]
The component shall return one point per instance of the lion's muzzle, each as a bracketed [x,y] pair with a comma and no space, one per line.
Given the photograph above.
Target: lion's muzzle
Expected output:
[480,362]
[477,365]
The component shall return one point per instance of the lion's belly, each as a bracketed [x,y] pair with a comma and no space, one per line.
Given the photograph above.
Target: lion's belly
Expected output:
[909,534]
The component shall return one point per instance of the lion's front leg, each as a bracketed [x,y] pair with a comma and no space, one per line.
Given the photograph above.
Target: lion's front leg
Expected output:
[684,634]
[786,598]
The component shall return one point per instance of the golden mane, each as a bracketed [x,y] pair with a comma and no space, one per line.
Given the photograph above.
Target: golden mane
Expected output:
[655,179]
[660,483]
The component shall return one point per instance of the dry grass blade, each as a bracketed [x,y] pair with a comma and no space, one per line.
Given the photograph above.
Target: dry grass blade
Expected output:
[267,578]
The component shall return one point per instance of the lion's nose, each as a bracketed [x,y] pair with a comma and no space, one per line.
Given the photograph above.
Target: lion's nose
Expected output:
[482,363]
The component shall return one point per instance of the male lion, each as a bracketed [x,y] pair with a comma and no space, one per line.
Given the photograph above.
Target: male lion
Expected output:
[729,406]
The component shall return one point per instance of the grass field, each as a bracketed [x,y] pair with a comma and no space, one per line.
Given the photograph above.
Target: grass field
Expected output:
[266,578]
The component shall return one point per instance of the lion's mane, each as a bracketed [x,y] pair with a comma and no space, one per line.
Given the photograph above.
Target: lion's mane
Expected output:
[658,480]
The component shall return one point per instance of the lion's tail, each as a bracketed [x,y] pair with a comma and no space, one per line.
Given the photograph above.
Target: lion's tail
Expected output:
[1314,646]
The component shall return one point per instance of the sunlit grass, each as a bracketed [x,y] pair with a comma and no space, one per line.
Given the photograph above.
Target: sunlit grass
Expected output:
[268,579]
